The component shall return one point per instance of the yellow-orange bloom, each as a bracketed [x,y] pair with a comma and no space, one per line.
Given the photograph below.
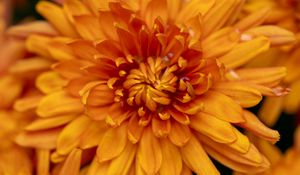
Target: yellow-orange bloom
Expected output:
[284,13]
[152,87]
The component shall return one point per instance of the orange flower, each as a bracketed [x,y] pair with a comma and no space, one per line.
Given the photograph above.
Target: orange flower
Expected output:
[284,13]
[152,87]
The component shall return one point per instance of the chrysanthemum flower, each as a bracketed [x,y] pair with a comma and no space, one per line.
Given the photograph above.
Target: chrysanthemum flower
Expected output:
[152,87]
[284,13]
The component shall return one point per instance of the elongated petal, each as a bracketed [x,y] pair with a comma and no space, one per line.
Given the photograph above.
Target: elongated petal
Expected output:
[70,136]
[264,76]
[180,134]
[45,139]
[216,129]
[86,30]
[244,52]
[218,15]
[58,103]
[50,82]
[243,94]
[36,27]
[238,166]
[171,162]
[112,143]
[48,123]
[149,153]
[43,161]
[196,158]
[252,157]
[276,35]
[71,165]
[123,162]
[253,19]
[193,8]
[271,110]
[220,42]
[216,104]
[253,124]
[55,15]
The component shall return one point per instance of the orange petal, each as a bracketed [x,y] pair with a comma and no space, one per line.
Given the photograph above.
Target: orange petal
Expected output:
[277,35]
[244,95]
[264,76]
[196,158]
[60,50]
[218,15]
[92,135]
[30,66]
[171,162]
[71,165]
[123,162]
[252,157]
[43,161]
[49,82]
[48,123]
[38,44]
[218,130]
[180,134]
[214,105]
[238,166]
[69,138]
[220,42]
[112,143]
[35,27]
[75,8]
[10,89]
[134,131]
[257,127]
[271,110]
[56,16]
[58,103]
[45,139]
[88,27]
[149,153]
[193,8]
[160,128]
[244,52]
[253,20]
[155,9]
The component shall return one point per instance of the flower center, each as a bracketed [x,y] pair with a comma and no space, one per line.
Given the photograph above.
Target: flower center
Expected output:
[152,83]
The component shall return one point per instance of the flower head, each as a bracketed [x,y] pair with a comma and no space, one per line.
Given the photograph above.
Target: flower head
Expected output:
[155,86]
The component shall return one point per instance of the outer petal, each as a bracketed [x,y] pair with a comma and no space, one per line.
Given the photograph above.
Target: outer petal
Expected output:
[243,94]
[253,124]
[222,107]
[218,130]
[70,136]
[244,52]
[112,143]
[149,154]
[123,162]
[196,158]
[55,15]
[58,103]
[172,162]
[71,165]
